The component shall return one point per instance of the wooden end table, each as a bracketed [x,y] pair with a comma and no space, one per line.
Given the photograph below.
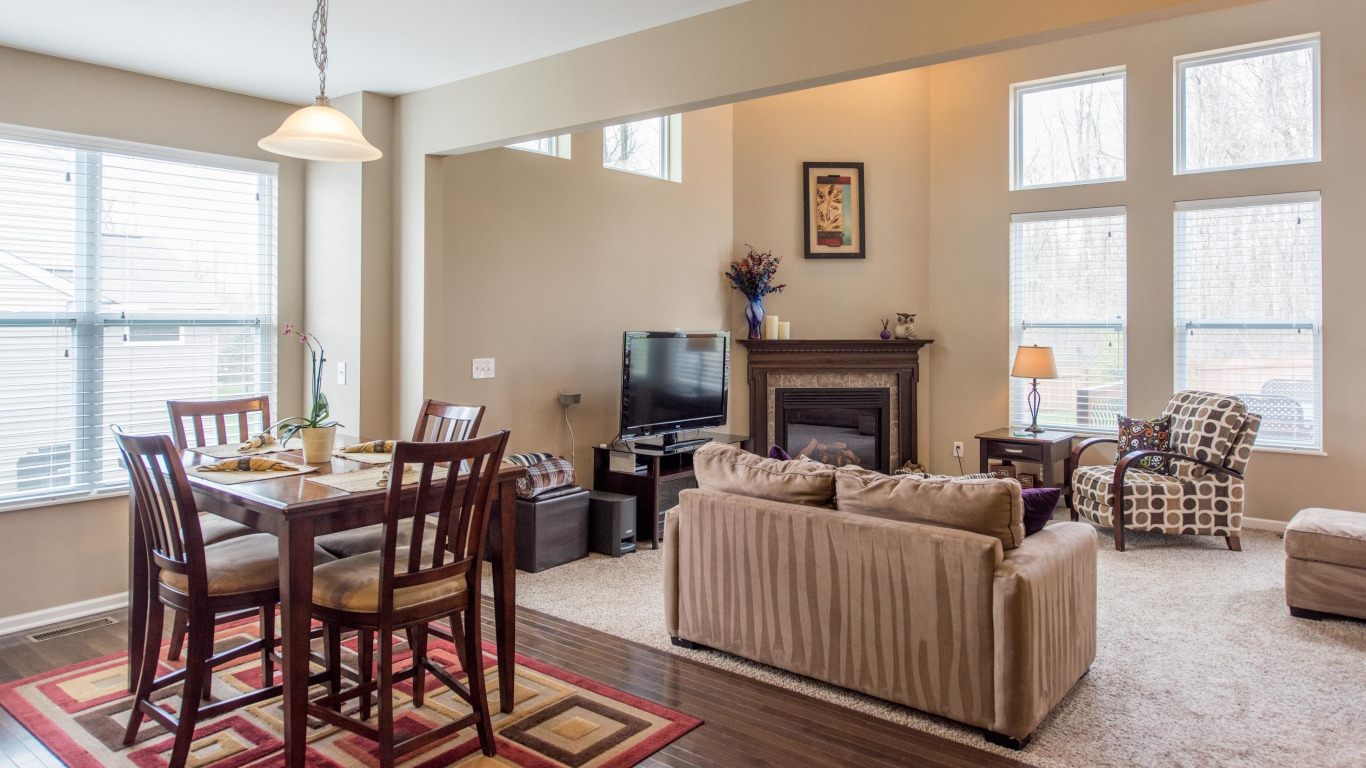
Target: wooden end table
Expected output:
[1014,444]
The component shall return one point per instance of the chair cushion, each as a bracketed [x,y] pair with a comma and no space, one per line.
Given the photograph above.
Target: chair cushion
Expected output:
[243,564]
[1203,426]
[991,507]
[359,541]
[215,530]
[352,584]
[1095,482]
[1327,535]
[730,469]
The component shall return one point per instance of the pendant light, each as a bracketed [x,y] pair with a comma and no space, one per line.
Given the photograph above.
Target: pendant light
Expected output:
[320,132]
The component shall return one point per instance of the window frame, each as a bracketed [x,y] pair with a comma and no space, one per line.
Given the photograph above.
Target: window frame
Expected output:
[559,146]
[89,324]
[1180,332]
[1017,93]
[670,148]
[1311,41]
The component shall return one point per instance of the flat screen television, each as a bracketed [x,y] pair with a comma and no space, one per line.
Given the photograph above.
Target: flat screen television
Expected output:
[673,381]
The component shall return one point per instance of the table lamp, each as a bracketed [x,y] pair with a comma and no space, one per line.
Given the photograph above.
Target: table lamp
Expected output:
[1034,363]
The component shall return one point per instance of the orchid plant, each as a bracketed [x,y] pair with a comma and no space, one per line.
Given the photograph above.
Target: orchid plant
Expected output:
[317,416]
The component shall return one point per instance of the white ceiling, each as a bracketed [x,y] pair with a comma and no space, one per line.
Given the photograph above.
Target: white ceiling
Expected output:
[264,47]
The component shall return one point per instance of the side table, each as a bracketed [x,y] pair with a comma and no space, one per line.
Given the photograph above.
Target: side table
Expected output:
[1018,444]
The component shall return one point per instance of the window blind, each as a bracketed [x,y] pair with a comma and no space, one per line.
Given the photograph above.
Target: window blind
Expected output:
[1067,291]
[1249,309]
[127,279]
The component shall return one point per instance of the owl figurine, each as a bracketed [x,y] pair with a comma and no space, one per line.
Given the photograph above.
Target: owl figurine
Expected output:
[905,326]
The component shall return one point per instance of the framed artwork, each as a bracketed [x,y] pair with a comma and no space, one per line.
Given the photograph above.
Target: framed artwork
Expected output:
[833,203]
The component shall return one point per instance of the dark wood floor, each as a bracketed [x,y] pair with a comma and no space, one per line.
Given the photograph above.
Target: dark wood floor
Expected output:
[748,723]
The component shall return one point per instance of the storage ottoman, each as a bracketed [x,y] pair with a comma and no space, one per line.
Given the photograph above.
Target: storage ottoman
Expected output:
[1325,564]
[552,529]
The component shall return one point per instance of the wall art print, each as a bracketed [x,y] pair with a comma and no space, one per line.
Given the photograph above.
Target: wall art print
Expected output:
[833,203]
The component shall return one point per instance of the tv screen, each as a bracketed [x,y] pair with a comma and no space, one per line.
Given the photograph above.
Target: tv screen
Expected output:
[673,381]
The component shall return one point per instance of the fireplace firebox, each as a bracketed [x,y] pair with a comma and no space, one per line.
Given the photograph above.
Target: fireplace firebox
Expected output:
[841,426]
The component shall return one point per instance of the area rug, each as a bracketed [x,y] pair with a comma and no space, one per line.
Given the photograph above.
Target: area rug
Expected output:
[1199,663]
[560,720]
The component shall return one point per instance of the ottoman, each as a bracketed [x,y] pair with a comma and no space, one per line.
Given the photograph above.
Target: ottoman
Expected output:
[1325,564]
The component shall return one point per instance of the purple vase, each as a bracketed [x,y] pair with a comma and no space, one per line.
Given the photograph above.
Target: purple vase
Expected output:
[754,314]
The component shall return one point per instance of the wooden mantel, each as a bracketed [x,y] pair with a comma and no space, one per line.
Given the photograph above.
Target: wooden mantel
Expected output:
[897,356]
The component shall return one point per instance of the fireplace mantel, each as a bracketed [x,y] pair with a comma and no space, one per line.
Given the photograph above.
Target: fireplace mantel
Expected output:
[899,359]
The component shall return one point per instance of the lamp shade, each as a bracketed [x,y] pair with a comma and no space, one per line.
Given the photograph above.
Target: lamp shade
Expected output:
[1034,363]
[320,132]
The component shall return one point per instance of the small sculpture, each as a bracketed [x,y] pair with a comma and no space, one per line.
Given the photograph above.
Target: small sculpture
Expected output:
[886,334]
[905,326]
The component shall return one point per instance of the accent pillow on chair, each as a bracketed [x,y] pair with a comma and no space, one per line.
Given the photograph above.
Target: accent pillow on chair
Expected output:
[1141,435]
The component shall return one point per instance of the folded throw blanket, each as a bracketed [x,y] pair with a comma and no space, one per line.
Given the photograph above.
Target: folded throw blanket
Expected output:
[260,441]
[374,446]
[249,464]
[545,475]
[527,459]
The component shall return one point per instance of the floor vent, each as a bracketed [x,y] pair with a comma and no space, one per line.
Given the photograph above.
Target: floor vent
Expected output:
[84,626]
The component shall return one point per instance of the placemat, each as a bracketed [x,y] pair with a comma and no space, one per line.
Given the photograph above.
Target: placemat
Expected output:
[233,478]
[229,450]
[366,458]
[371,479]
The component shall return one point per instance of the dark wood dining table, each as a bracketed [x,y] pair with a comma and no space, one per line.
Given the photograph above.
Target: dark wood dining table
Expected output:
[296,511]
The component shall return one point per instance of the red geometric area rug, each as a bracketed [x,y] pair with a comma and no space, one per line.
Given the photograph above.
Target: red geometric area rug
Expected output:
[560,720]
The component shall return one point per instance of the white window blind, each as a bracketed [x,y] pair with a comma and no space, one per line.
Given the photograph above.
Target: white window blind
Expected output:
[127,278]
[1068,130]
[1249,309]
[1067,291]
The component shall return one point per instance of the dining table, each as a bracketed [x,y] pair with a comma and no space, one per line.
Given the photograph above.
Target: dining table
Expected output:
[296,510]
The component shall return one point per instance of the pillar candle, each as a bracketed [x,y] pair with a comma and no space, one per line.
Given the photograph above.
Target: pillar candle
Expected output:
[784,330]
[770,329]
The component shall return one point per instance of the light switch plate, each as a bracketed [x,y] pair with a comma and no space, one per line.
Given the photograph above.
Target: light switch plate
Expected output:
[341,373]
[483,367]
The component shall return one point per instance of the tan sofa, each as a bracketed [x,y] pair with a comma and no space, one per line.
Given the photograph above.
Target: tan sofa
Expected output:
[944,620]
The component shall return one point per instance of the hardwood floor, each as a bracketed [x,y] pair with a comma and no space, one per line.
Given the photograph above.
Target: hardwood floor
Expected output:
[748,723]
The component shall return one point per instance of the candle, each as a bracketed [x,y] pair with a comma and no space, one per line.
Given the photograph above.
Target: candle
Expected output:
[770,330]
[784,330]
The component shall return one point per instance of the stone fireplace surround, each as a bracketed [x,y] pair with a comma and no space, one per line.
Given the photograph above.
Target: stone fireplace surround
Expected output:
[836,363]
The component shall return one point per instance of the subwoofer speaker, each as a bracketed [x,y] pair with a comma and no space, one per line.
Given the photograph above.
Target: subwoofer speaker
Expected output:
[611,523]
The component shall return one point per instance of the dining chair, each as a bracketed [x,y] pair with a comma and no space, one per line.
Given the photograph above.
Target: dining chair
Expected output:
[200,581]
[437,576]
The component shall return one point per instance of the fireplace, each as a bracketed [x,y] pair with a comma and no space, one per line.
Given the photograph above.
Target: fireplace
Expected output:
[835,425]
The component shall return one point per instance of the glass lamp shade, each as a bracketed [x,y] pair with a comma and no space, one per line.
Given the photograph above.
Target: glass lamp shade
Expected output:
[1034,363]
[320,132]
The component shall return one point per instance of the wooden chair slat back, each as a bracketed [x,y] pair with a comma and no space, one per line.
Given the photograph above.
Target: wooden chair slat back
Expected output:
[441,422]
[164,503]
[246,410]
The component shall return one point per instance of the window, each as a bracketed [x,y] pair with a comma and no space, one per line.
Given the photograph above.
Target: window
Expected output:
[1068,130]
[647,147]
[1067,291]
[555,146]
[1248,107]
[128,277]
[1249,309]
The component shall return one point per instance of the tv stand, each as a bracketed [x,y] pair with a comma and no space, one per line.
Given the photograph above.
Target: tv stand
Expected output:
[671,444]
[656,465]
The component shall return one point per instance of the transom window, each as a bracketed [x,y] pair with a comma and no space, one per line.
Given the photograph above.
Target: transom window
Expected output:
[128,277]
[1248,107]
[555,146]
[1068,130]
[648,147]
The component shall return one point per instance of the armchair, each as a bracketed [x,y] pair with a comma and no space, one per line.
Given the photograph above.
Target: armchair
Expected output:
[1211,443]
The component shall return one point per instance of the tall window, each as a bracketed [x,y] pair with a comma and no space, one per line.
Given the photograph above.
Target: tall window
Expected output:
[647,147]
[555,146]
[1248,107]
[1067,291]
[126,279]
[1068,130]
[1249,309]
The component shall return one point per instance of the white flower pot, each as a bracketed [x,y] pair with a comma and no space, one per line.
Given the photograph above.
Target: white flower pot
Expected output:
[318,444]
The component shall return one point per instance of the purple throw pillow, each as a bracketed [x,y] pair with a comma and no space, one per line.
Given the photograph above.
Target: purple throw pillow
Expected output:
[776,452]
[1038,507]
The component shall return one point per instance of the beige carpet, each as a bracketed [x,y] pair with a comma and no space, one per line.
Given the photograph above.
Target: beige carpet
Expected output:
[1199,664]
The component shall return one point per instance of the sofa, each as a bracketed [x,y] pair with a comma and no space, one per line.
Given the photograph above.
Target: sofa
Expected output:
[924,592]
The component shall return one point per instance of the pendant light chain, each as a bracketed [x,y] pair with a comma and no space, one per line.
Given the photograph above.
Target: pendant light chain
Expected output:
[320,47]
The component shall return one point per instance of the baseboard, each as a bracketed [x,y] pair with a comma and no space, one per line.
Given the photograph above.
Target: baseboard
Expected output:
[1262,524]
[62,613]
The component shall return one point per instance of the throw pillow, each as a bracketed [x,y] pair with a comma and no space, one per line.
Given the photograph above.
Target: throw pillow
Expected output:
[1039,504]
[776,452]
[988,507]
[1140,435]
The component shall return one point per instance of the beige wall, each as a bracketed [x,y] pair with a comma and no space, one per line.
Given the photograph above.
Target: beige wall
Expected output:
[89,539]
[967,310]
[882,122]
[548,261]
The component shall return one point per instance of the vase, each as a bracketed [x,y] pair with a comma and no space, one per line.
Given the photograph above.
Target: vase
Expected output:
[754,314]
[318,444]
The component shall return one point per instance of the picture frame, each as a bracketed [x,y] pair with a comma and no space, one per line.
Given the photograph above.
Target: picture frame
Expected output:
[833,205]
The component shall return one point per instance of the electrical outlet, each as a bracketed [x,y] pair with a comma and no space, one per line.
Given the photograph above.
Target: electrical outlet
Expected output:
[341,373]
[483,367]
[957,449]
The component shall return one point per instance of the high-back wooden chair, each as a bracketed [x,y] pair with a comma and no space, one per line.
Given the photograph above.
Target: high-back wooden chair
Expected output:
[195,580]
[408,587]
[251,417]
[446,422]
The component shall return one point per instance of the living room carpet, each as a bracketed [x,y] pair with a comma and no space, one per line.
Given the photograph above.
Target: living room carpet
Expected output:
[561,720]
[1199,663]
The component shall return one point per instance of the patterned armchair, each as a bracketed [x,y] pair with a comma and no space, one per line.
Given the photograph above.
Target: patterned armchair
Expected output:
[1211,443]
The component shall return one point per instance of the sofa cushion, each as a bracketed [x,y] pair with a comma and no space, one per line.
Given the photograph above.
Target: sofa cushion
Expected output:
[1327,535]
[990,507]
[730,469]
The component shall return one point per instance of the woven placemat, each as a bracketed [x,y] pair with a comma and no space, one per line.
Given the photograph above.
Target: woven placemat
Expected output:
[371,479]
[366,458]
[233,477]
